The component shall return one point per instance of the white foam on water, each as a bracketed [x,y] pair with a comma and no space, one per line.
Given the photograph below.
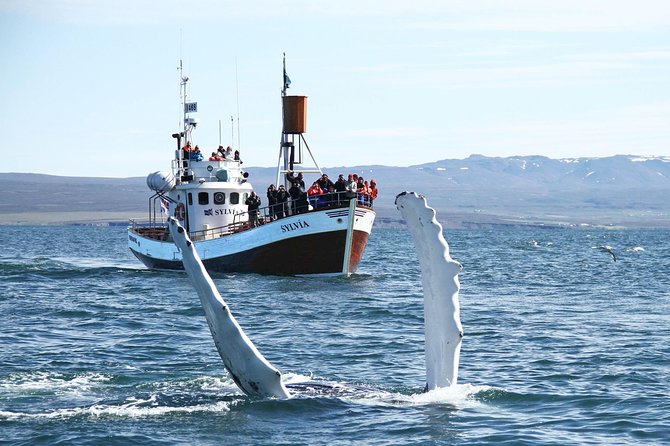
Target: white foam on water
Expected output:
[209,384]
[95,263]
[460,396]
[51,382]
[135,408]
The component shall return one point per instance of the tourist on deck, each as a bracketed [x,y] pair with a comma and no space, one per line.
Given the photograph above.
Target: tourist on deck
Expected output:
[352,187]
[195,155]
[340,188]
[272,201]
[361,191]
[295,191]
[236,157]
[314,195]
[324,182]
[331,196]
[373,191]
[186,153]
[229,153]
[253,203]
[282,202]
[292,178]
[366,193]
[221,152]
[215,157]
[303,204]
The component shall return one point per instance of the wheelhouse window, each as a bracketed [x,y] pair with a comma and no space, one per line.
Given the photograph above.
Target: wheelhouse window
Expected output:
[203,198]
[234,198]
[219,198]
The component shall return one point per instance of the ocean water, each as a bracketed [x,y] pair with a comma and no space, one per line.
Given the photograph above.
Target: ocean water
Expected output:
[562,345]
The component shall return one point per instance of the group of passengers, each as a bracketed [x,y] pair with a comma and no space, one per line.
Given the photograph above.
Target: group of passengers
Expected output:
[191,153]
[322,193]
[221,154]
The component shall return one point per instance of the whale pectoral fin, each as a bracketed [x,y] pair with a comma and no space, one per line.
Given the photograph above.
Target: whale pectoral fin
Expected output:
[439,277]
[252,373]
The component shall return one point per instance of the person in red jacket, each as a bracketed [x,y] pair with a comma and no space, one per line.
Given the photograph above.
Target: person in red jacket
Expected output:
[314,194]
[373,191]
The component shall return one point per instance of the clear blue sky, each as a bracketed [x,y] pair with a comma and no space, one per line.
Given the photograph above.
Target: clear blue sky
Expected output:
[90,87]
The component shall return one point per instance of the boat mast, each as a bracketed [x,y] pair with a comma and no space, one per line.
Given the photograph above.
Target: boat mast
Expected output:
[183,82]
[294,110]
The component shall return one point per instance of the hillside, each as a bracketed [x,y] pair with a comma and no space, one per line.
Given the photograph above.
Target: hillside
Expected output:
[622,190]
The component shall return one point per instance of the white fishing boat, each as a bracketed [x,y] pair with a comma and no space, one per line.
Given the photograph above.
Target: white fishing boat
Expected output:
[326,237]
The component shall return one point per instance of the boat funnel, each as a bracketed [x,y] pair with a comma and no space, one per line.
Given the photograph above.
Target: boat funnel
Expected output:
[295,114]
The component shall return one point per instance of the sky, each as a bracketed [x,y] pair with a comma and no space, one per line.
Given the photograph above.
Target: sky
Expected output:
[91,87]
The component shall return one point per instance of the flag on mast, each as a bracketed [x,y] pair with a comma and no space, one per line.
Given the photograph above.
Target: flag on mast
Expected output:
[287,80]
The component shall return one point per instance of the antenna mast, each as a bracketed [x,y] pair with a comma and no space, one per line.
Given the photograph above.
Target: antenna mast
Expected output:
[237,94]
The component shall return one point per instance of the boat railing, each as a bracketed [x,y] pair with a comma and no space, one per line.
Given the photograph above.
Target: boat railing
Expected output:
[188,170]
[157,228]
[270,213]
[150,228]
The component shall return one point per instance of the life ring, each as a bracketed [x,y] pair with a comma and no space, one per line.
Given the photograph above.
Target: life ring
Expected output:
[180,212]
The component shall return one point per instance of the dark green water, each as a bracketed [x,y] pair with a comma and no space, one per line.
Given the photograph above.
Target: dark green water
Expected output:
[562,345]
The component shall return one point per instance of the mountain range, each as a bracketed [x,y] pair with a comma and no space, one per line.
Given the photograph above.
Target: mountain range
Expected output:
[478,191]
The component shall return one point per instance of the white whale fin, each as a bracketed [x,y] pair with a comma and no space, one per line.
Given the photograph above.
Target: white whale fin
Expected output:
[252,373]
[439,277]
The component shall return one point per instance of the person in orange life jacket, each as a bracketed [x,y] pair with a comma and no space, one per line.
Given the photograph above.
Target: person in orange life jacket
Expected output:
[186,152]
[367,192]
[314,193]
[373,191]
[215,157]
[361,191]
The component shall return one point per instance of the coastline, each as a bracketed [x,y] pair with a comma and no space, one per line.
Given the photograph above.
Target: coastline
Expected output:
[451,220]
[68,218]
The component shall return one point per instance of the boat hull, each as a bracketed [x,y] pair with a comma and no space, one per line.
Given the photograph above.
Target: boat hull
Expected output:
[313,243]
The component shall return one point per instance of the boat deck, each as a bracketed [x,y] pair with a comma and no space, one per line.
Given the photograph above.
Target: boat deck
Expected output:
[158,230]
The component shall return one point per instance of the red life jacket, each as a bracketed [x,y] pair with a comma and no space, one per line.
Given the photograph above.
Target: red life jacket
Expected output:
[314,190]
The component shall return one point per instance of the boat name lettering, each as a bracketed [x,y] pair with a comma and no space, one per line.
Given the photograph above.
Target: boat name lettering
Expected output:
[133,239]
[300,224]
[226,211]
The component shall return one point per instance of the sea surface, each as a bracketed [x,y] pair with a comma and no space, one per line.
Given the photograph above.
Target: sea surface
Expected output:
[562,346]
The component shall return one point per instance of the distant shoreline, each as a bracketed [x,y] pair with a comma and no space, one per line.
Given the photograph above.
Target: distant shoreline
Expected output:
[68,218]
[484,222]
